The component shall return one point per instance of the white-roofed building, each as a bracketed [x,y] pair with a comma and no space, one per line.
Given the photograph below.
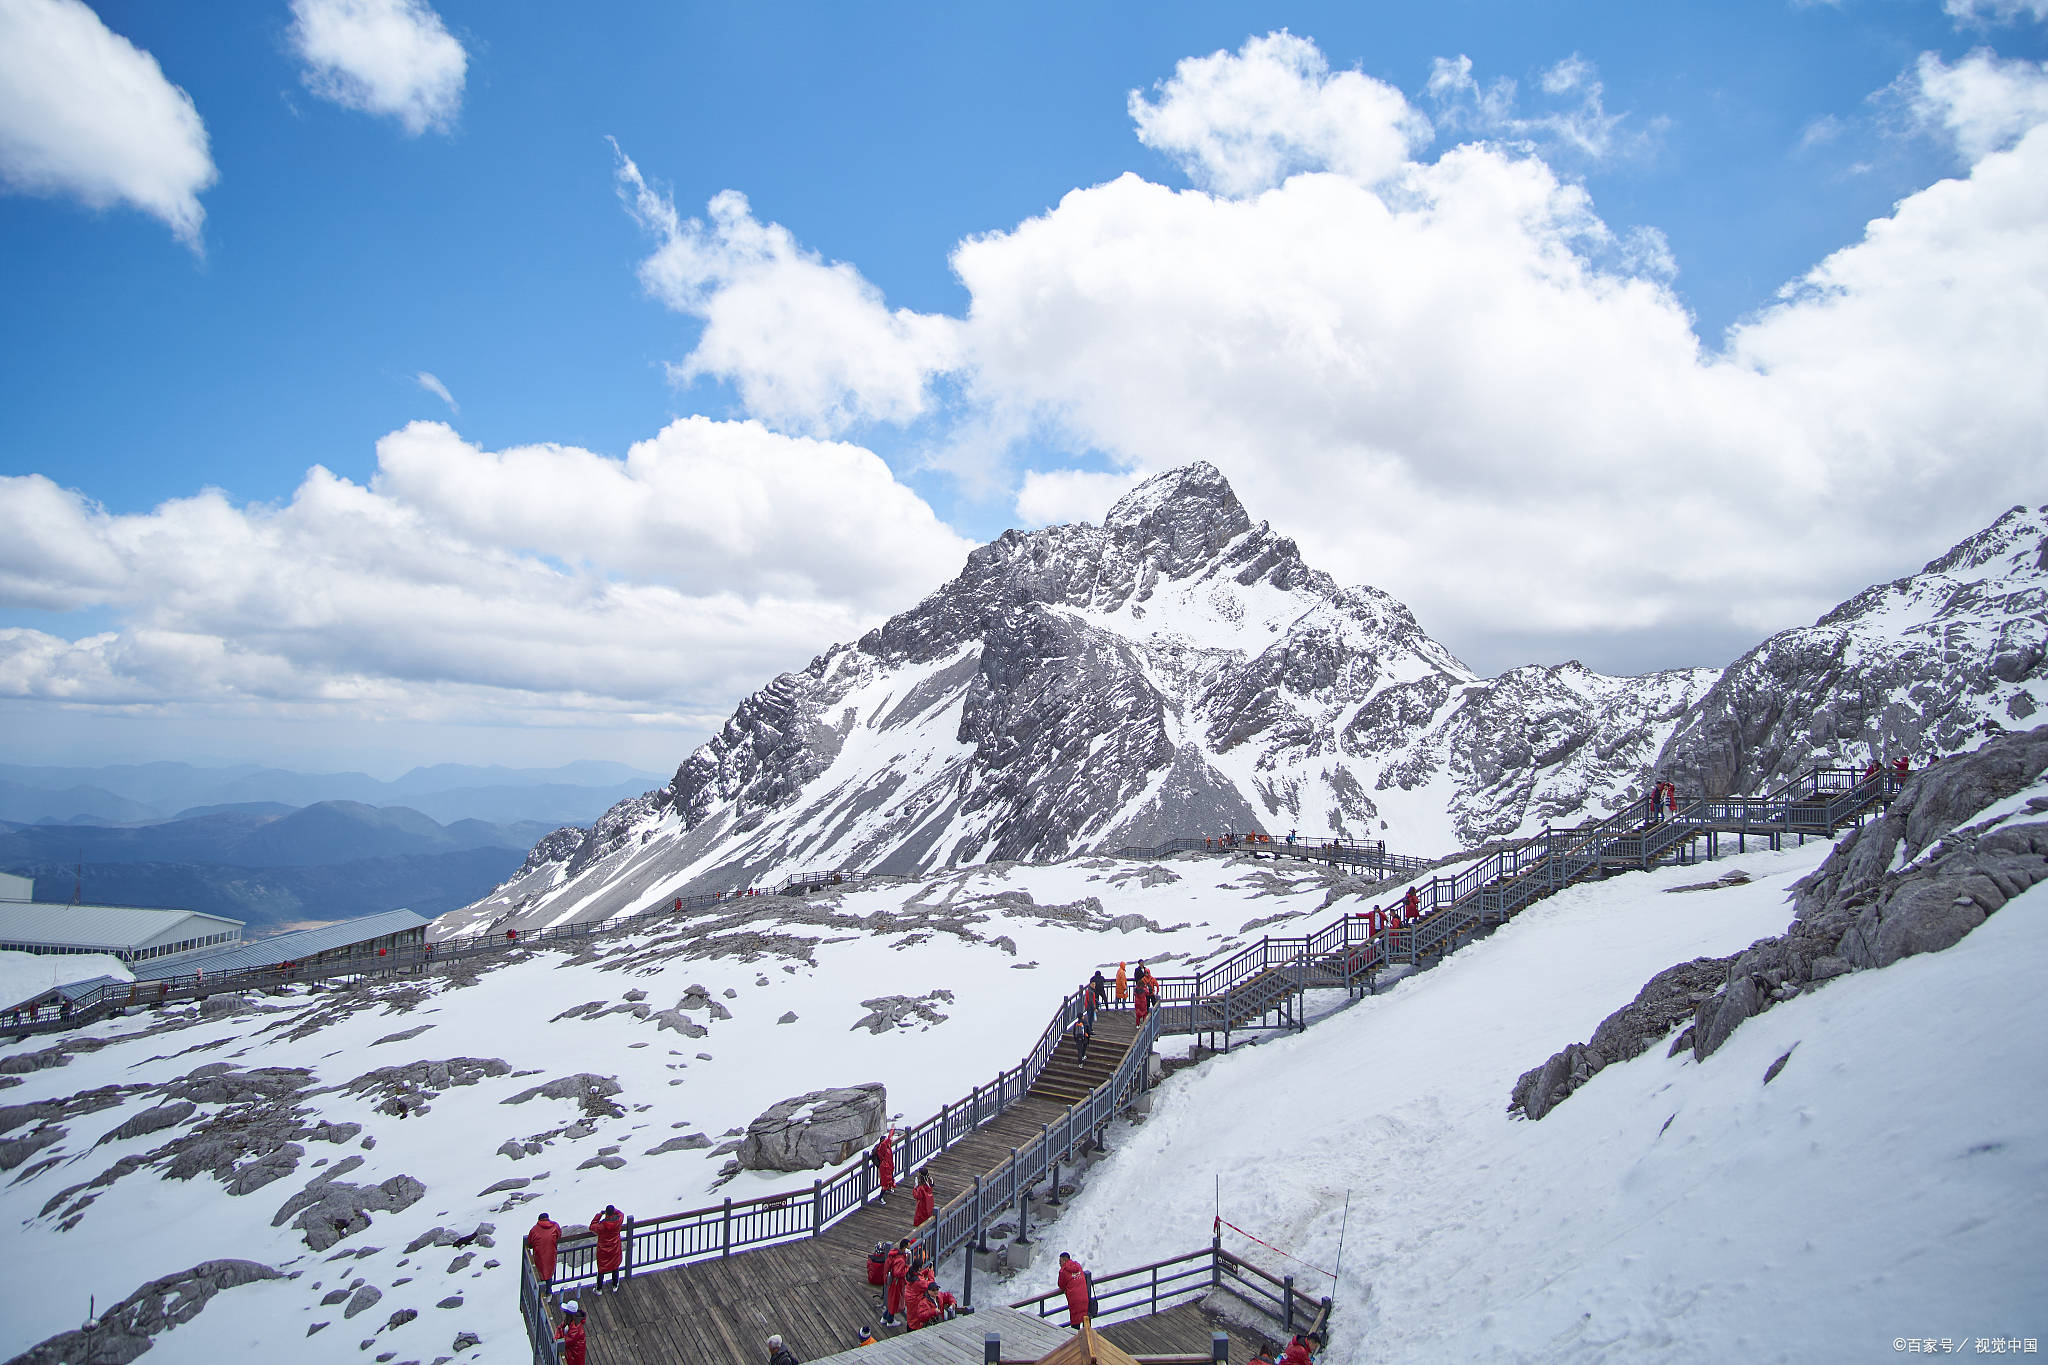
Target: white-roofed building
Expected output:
[367,937]
[13,888]
[132,934]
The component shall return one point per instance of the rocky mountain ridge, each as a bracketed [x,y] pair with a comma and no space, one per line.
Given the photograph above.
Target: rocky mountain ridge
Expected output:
[1176,670]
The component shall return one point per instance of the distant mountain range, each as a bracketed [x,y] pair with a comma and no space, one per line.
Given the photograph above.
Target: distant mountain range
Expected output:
[575,793]
[271,865]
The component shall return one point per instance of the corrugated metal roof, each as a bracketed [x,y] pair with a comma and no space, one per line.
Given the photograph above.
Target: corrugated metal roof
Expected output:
[111,927]
[263,952]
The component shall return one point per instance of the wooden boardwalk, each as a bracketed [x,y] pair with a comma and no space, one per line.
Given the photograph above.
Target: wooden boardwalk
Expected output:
[814,1293]
[1184,1331]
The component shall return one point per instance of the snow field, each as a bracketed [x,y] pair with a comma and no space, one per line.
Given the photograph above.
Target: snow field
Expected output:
[144,1226]
[1891,1181]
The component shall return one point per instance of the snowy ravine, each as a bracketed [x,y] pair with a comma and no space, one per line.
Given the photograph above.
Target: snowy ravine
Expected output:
[1178,670]
[1003,943]
[1891,1180]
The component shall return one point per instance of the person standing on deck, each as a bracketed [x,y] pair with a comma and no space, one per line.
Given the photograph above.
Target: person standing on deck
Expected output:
[540,1240]
[571,1334]
[1412,905]
[885,1160]
[926,1198]
[1098,990]
[1078,1031]
[606,1227]
[778,1354]
[1144,1004]
[896,1270]
[1073,1282]
[1123,986]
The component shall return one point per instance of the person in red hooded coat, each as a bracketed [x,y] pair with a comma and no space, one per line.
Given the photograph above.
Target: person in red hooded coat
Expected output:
[885,1160]
[1074,1284]
[606,1227]
[540,1240]
[1300,1350]
[571,1334]
[896,1269]
[927,1199]
[924,1302]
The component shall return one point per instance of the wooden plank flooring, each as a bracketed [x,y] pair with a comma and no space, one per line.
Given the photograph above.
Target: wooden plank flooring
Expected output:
[814,1292]
[1184,1331]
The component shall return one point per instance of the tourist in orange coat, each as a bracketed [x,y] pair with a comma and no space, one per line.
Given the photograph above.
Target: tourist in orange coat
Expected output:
[1074,1284]
[927,1199]
[896,1270]
[540,1240]
[606,1227]
[1123,985]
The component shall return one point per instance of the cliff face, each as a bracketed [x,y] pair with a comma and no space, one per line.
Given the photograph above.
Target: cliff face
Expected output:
[1177,670]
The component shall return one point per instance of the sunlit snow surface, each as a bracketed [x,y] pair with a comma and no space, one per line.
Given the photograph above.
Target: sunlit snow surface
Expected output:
[1889,1182]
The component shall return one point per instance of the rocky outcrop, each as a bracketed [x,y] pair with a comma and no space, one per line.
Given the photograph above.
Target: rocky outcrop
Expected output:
[1914,880]
[329,1209]
[822,1128]
[130,1327]
[1670,998]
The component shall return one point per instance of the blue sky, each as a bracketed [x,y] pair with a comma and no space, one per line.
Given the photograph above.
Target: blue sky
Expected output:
[475,225]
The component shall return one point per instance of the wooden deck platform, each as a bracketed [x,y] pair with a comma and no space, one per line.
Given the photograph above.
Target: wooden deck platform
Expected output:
[1184,1330]
[814,1292]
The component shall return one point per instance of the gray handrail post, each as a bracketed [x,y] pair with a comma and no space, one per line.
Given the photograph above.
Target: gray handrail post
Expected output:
[628,1239]
[1219,1348]
[980,1232]
[991,1349]
[1287,1297]
[1023,1237]
[725,1229]
[817,1207]
[1216,1257]
[1054,1197]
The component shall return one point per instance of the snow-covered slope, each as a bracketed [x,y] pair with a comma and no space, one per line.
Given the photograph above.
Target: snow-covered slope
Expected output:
[929,986]
[1929,664]
[1890,1181]
[1176,671]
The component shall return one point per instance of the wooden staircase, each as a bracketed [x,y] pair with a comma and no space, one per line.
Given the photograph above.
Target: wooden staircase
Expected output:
[1068,1080]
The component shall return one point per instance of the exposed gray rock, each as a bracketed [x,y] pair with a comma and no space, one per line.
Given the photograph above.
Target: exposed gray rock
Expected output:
[452,1301]
[399,1319]
[516,1182]
[329,1209]
[1914,880]
[788,1017]
[1669,998]
[592,1094]
[821,1128]
[688,1142]
[403,1091]
[902,1011]
[153,1120]
[129,1328]
[363,1299]
[465,1341]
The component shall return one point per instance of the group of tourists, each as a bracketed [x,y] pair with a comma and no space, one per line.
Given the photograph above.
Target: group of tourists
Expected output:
[1300,1351]
[903,1273]
[608,1227]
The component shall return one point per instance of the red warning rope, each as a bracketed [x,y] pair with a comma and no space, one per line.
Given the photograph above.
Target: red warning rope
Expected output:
[1224,1222]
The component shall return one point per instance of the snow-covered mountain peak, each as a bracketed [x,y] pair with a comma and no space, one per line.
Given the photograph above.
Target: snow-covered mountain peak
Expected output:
[1178,670]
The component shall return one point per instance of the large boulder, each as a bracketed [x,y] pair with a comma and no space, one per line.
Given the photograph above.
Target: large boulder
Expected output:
[820,1129]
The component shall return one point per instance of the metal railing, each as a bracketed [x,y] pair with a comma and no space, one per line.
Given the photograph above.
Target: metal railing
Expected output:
[1149,1289]
[788,1215]
[1266,979]
[1371,854]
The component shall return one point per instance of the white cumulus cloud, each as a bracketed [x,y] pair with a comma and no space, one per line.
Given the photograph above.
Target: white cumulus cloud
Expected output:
[1238,123]
[1983,102]
[388,57]
[545,580]
[85,113]
[1983,13]
[808,343]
